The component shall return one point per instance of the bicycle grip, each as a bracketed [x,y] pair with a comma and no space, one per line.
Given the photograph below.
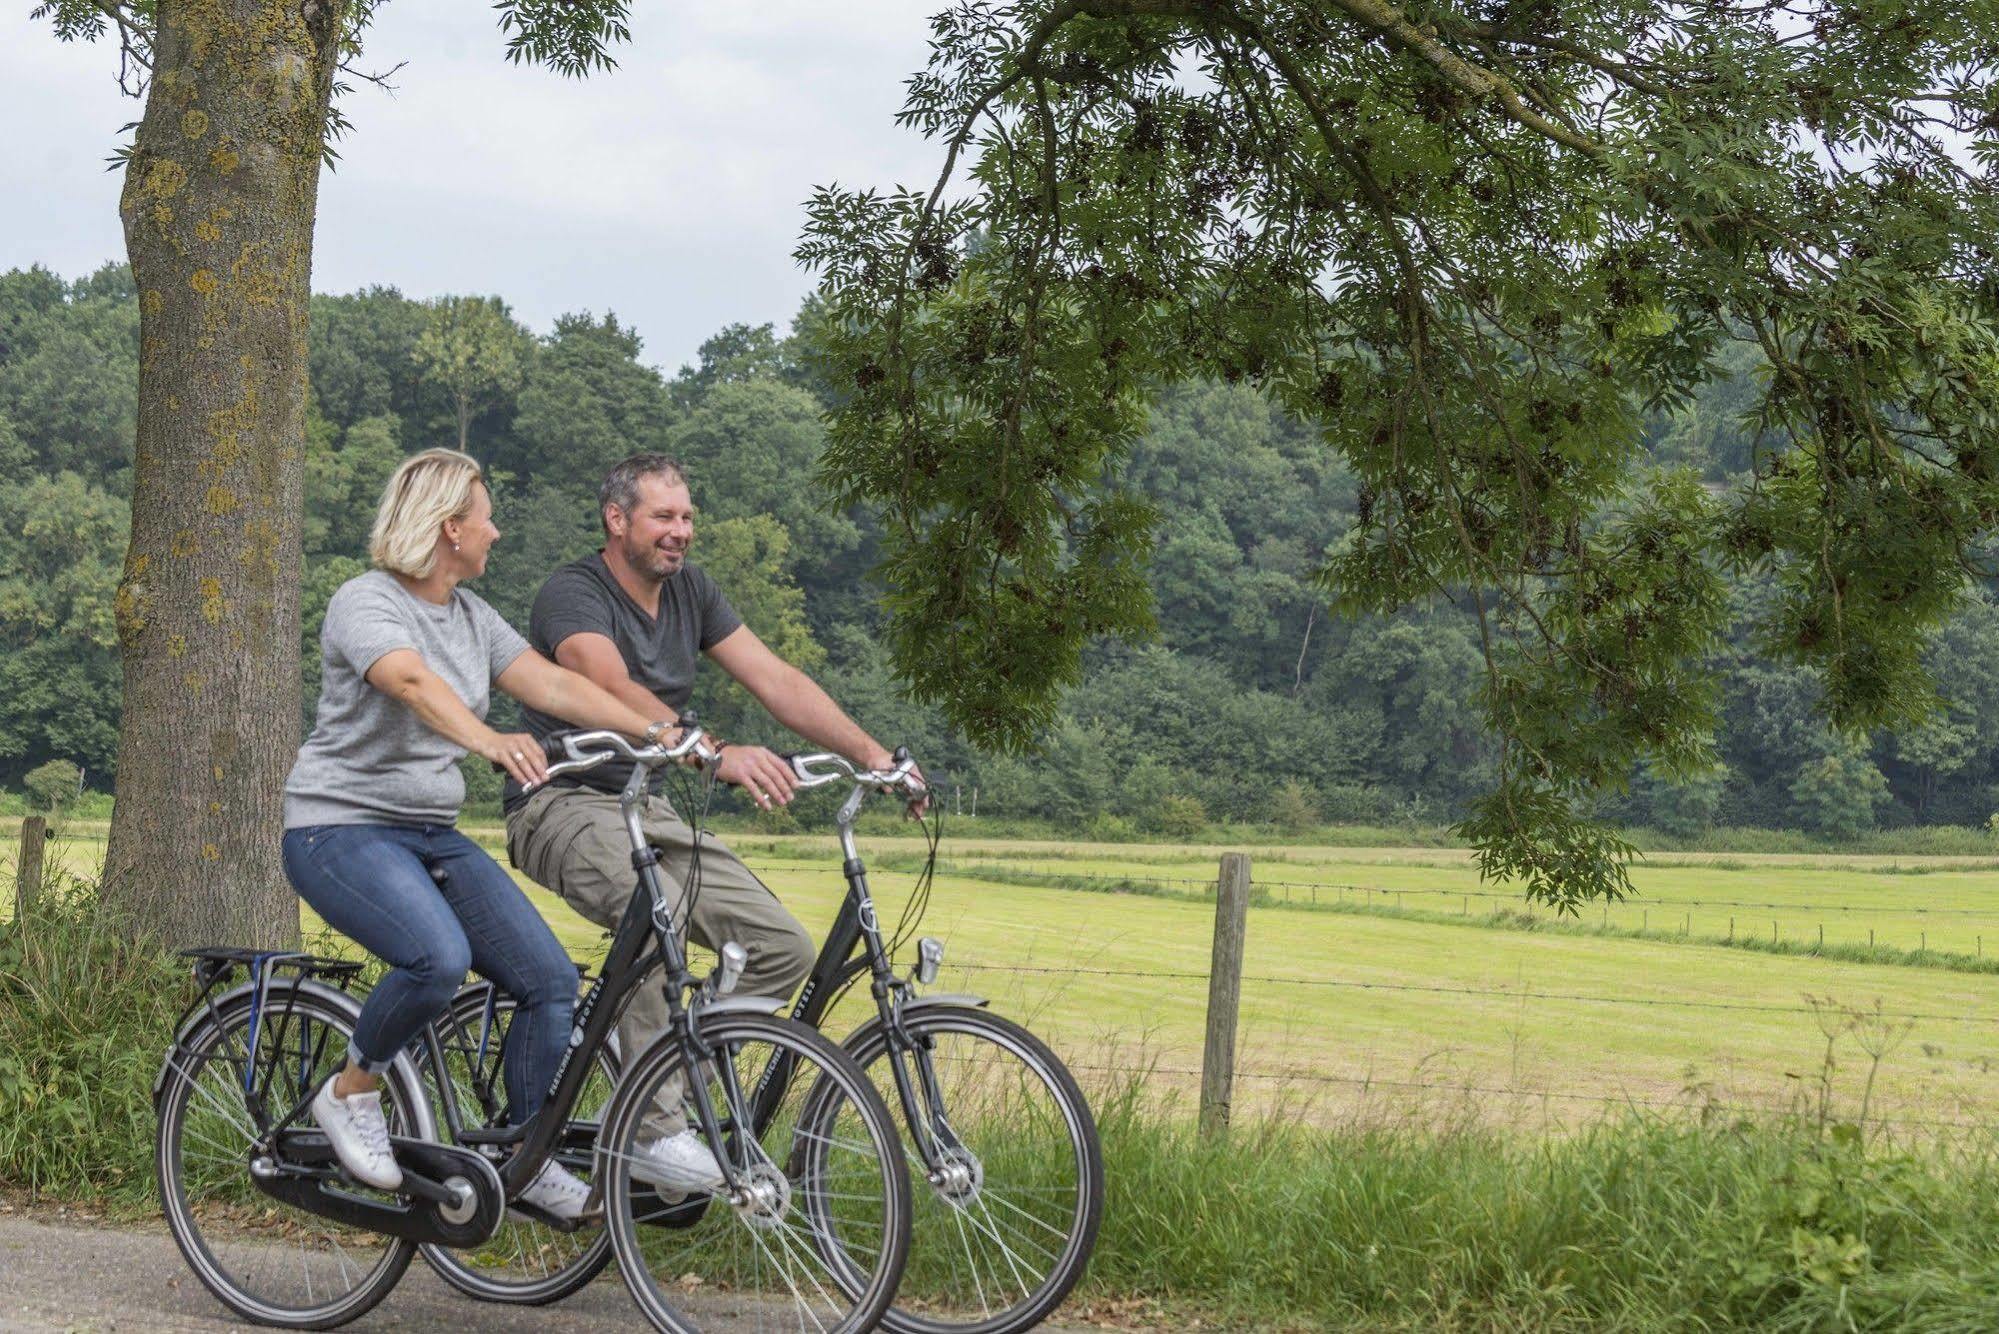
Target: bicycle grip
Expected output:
[551,749]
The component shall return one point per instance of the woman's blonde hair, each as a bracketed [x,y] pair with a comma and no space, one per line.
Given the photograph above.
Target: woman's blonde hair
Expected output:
[425,491]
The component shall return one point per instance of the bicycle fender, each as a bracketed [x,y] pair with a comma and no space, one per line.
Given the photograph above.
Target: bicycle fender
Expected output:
[198,1016]
[870,1027]
[738,1005]
[964,998]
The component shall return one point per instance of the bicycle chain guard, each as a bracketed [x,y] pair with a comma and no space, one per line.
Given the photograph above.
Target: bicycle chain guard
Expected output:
[308,1177]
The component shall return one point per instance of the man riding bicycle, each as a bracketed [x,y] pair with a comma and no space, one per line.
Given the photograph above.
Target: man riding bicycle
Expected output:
[633,618]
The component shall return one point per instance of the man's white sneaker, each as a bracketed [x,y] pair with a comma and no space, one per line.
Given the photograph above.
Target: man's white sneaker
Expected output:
[678,1163]
[354,1125]
[557,1192]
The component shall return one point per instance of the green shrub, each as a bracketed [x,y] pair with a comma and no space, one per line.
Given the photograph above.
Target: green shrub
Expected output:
[53,785]
[1181,816]
[1104,827]
[1294,807]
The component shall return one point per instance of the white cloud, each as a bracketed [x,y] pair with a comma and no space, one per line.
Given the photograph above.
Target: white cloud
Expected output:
[668,190]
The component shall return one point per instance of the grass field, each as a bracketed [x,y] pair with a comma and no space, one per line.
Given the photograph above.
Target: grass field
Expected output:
[1371,1017]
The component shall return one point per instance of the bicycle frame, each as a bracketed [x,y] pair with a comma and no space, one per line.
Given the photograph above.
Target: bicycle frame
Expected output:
[856,924]
[648,918]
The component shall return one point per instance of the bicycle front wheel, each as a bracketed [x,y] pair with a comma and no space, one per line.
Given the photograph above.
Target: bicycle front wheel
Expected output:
[1009,1190]
[266,1260]
[816,1236]
[527,1262]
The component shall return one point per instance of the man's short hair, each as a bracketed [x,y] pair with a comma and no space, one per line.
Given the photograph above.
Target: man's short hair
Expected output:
[621,484]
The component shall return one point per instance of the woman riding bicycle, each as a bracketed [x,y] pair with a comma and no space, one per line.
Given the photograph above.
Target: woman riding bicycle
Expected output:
[371,806]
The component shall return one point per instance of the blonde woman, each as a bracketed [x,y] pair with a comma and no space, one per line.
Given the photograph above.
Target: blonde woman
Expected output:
[371,806]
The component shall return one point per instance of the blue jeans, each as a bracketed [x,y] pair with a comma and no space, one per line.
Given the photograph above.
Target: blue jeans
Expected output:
[427,901]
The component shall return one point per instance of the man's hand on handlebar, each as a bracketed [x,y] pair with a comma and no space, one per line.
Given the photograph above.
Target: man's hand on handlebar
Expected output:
[918,803]
[761,772]
[519,755]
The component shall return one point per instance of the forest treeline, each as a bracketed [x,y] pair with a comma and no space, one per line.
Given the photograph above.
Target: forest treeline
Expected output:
[1252,702]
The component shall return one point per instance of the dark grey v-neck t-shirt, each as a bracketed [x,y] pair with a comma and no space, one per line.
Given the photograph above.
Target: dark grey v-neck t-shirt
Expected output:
[661,653]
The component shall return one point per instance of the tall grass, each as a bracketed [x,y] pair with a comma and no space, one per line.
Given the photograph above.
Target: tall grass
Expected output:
[1637,1223]
[86,1014]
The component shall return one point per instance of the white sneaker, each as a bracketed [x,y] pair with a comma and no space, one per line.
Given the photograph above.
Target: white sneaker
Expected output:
[359,1135]
[558,1192]
[678,1163]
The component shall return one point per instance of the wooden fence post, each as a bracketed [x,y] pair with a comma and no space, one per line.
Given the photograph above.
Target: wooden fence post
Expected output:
[28,868]
[1224,993]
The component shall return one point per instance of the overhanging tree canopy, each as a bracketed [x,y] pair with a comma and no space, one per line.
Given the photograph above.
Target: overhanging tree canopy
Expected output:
[1472,243]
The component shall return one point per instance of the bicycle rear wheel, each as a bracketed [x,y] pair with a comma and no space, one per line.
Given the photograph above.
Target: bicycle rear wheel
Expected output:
[816,1239]
[527,1262]
[1004,1222]
[264,1259]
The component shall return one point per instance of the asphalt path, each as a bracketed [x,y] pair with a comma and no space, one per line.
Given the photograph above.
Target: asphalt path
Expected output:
[58,1276]
[86,1277]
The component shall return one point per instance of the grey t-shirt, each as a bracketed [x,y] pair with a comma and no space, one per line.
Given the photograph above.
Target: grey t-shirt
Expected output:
[370,760]
[661,652]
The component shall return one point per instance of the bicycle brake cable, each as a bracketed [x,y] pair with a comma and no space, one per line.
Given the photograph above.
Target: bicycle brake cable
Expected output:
[695,815]
[918,902]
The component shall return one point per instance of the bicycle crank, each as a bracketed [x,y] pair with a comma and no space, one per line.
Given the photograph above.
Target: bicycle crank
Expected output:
[450,1196]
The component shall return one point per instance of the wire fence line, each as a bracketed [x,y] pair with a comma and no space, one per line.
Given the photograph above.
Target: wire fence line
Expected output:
[1350,887]
[1691,1101]
[1375,898]
[1353,887]
[1500,993]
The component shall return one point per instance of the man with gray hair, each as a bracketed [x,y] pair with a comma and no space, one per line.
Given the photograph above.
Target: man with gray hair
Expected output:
[635,617]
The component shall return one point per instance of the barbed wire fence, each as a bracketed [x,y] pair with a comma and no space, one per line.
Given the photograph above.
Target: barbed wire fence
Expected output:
[1218,1048]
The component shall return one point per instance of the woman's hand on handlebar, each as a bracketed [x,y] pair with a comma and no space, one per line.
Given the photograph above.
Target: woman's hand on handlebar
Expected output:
[519,754]
[761,772]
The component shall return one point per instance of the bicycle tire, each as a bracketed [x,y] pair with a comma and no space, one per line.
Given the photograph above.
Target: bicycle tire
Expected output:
[230,1218]
[707,1265]
[943,1224]
[578,1266]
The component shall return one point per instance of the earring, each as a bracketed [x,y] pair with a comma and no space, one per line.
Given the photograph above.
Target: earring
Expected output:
[454,546]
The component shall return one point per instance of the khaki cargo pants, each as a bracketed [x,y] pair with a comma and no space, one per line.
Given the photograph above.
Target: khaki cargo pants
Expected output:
[572,839]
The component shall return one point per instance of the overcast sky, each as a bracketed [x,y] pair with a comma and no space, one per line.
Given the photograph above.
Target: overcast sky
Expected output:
[669,190]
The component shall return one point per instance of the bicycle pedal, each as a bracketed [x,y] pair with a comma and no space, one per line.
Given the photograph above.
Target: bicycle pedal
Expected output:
[520,1211]
[653,1209]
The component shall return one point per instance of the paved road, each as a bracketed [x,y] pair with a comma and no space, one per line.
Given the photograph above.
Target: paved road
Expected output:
[93,1279]
[59,1277]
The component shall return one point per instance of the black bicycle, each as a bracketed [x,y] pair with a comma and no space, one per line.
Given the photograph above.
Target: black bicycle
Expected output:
[994,1122]
[810,1229]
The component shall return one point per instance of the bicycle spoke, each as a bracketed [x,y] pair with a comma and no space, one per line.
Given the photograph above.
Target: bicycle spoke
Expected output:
[526,1260]
[265,1257]
[1004,1190]
[807,1229]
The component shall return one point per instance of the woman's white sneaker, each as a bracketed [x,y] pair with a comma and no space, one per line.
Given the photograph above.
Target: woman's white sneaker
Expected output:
[557,1192]
[354,1125]
[680,1162]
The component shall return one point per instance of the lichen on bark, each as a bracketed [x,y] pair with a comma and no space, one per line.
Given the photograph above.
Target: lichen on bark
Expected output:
[218,204]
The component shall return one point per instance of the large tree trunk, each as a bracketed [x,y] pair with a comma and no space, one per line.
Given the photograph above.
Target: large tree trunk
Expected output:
[218,206]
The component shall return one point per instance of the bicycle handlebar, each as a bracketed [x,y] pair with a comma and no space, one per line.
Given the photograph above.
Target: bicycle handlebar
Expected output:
[573,752]
[822,767]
